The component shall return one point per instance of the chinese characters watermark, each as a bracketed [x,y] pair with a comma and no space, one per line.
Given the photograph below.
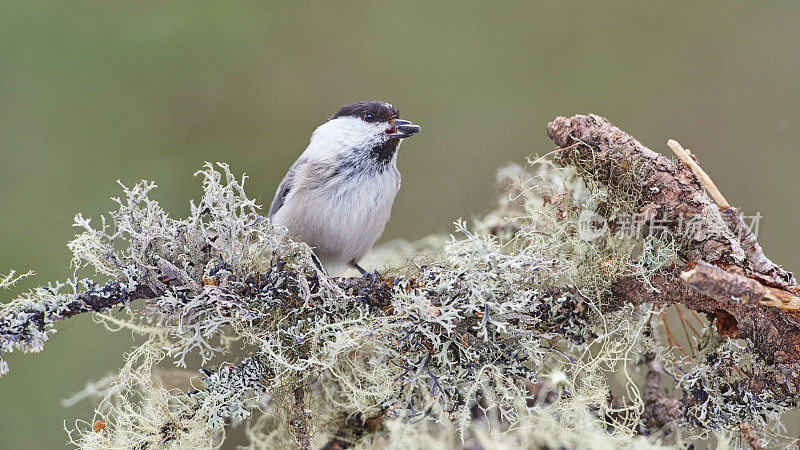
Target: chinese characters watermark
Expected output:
[592,225]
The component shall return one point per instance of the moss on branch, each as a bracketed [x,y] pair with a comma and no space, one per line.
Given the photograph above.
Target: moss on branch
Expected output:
[516,331]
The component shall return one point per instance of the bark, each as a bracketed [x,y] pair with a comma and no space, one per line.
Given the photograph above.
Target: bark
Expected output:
[666,190]
[727,276]
[659,409]
[750,436]
[301,420]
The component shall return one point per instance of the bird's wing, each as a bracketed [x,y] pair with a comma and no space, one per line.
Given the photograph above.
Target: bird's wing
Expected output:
[284,188]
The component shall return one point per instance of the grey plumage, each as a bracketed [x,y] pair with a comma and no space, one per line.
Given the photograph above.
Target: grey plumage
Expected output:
[283,189]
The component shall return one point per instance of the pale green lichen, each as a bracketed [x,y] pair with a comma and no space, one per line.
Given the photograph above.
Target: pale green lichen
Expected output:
[450,353]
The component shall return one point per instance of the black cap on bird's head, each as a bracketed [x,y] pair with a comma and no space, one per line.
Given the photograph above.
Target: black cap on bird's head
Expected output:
[379,112]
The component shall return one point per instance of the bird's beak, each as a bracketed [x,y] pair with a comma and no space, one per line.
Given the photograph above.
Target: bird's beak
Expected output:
[401,129]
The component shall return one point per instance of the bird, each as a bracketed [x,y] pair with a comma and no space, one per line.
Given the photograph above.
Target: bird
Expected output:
[337,197]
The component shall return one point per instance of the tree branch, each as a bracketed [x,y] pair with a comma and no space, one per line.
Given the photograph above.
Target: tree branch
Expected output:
[728,277]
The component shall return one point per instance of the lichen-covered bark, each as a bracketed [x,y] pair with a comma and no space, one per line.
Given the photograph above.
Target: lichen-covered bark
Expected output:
[667,191]
[736,283]
[504,302]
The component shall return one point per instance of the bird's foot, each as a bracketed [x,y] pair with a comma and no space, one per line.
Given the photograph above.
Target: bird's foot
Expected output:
[374,276]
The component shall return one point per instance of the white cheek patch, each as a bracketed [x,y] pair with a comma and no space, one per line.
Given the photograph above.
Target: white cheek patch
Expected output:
[344,135]
[355,133]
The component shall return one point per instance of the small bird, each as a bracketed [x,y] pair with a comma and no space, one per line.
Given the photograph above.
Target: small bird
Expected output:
[338,195]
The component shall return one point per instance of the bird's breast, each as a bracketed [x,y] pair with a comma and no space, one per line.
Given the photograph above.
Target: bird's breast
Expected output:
[343,217]
[362,203]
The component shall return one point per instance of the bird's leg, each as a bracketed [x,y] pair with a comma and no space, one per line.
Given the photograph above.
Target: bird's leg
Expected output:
[355,265]
[318,263]
[374,275]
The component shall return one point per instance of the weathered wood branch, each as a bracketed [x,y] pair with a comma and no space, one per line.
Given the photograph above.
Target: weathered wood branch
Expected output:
[727,286]
[666,190]
[659,408]
[728,277]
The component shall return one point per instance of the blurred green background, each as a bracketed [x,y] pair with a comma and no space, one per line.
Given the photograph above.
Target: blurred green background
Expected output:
[91,92]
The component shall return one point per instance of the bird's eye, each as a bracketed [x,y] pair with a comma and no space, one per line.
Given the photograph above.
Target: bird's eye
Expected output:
[369,118]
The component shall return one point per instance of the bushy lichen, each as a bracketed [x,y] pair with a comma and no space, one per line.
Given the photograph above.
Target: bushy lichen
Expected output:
[718,396]
[501,336]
